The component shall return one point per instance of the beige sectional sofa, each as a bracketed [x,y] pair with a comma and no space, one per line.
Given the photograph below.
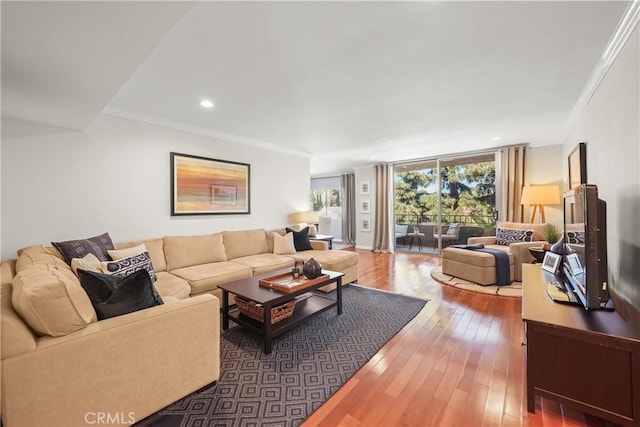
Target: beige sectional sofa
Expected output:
[60,366]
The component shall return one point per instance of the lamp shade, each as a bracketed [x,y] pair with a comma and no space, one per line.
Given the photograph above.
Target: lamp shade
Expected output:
[540,195]
[305,217]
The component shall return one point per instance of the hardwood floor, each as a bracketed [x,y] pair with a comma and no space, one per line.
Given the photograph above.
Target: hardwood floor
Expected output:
[460,361]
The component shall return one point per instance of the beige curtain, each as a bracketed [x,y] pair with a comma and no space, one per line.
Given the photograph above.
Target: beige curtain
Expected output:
[348,184]
[513,172]
[383,229]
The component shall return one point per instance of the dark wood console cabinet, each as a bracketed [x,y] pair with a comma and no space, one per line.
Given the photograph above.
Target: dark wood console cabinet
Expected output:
[587,359]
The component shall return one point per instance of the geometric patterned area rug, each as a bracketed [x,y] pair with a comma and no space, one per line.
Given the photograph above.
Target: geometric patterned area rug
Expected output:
[512,290]
[306,366]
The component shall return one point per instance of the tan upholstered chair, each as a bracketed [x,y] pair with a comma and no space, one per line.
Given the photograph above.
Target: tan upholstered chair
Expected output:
[519,249]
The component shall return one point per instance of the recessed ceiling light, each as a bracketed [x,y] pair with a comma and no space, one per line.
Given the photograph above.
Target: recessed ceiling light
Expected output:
[372,157]
[496,138]
[206,103]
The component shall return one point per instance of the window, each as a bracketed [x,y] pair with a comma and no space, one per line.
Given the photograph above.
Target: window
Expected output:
[326,199]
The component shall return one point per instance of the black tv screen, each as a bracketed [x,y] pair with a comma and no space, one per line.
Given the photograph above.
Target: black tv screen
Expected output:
[584,263]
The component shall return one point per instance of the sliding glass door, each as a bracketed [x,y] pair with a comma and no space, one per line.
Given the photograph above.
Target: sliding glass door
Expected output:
[444,201]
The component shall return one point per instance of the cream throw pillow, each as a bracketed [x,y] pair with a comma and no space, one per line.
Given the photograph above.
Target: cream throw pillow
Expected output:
[117,254]
[88,262]
[283,245]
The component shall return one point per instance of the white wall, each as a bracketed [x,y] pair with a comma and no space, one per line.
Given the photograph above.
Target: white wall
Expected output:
[544,166]
[114,177]
[610,125]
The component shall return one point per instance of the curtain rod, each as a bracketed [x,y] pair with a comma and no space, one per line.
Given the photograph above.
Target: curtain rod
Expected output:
[461,154]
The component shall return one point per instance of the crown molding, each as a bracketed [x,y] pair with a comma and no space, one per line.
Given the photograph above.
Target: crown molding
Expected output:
[616,44]
[186,127]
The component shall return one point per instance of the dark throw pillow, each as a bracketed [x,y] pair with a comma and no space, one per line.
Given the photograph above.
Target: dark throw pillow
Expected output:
[97,245]
[301,239]
[127,266]
[113,295]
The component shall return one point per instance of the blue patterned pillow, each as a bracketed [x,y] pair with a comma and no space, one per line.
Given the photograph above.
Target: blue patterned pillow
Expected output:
[507,236]
[127,266]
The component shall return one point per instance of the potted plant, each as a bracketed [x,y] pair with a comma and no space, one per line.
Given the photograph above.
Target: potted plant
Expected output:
[551,235]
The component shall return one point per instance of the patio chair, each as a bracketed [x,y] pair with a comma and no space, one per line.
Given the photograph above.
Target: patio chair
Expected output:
[401,233]
[451,235]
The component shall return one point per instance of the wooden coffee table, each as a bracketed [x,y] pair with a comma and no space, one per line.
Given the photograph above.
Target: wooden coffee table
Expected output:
[249,290]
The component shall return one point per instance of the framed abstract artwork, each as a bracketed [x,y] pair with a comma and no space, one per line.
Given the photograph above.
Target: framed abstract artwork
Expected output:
[203,186]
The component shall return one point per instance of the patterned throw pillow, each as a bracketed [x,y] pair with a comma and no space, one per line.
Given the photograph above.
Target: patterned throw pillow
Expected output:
[97,245]
[128,266]
[507,236]
[575,237]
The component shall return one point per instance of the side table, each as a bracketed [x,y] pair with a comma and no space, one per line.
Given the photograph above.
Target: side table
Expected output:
[413,236]
[538,253]
[323,237]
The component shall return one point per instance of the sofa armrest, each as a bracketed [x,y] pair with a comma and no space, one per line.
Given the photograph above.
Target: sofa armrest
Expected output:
[319,245]
[129,366]
[485,240]
[521,255]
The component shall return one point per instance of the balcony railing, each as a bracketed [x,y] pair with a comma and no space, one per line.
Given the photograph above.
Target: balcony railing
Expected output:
[481,221]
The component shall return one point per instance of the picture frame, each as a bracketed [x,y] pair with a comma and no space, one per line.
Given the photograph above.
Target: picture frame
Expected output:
[365,206]
[578,165]
[551,262]
[574,264]
[365,187]
[206,186]
[365,224]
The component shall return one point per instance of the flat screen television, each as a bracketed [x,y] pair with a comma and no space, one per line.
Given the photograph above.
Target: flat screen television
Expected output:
[584,261]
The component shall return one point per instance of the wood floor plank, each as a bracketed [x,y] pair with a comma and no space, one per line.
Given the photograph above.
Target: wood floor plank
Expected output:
[460,361]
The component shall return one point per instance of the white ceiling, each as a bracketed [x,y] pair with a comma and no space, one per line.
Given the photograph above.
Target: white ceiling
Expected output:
[338,81]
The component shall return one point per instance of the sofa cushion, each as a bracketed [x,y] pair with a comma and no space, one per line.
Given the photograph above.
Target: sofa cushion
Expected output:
[114,295]
[155,247]
[300,239]
[283,245]
[207,277]
[51,301]
[185,251]
[475,258]
[335,260]
[244,243]
[37,255]
[263,263]
[507,236]
[127,266]
[97,245]
[169,285]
